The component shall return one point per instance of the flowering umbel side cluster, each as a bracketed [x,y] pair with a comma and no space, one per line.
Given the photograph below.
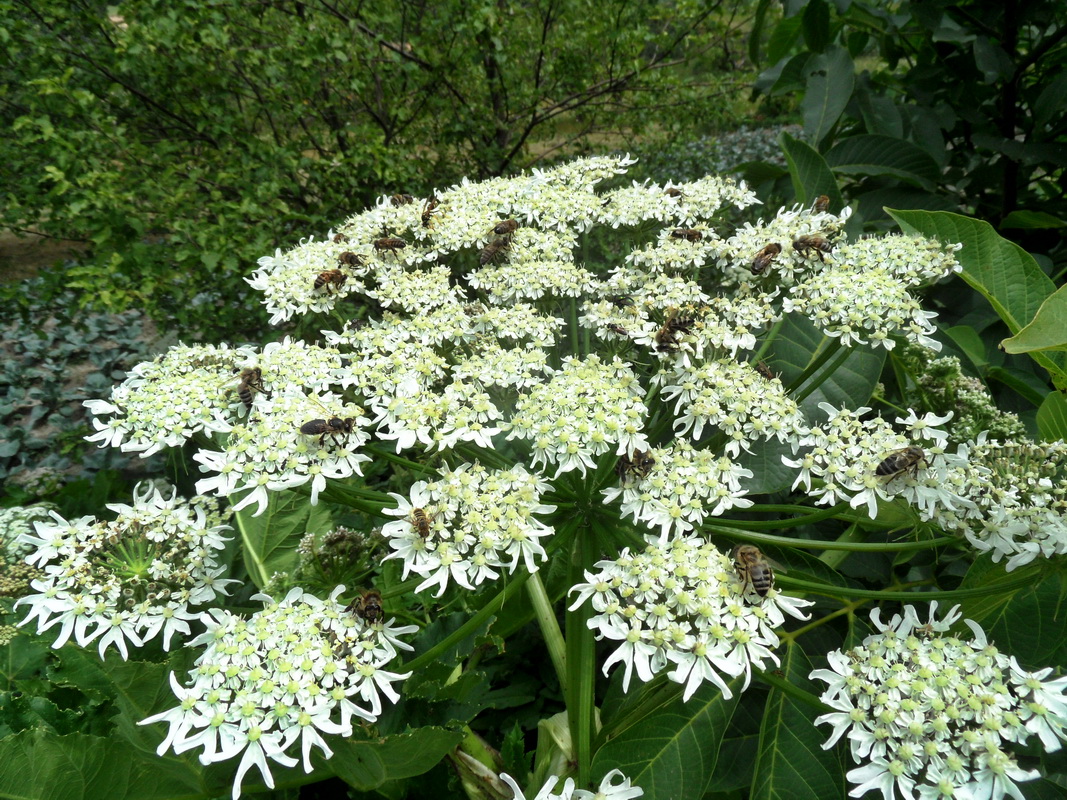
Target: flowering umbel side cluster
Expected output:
[929,713]
[300,668]
[130,580]
[680,606]
[611,788]
[469,525]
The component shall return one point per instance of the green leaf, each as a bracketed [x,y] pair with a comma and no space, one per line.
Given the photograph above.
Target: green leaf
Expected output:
[769,474]
[816,21]
[783,37]
[1005,274]
[1046,331]
[969,342]
[791,760]
[811,176]
[366,765]
[270,539]
[756,33]
[830,77]
[850,383]
[1030,220]
[1051,101]
[871,154]
[36,765]
[1052,417]
[1030,622]
[672,751]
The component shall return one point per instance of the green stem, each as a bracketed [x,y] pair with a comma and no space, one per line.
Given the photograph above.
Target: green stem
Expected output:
[471,625]
[546,619]
[768,340]
[572,323]
[848,608]
[840,359]
[832,346]
[816,544]
[581,662]
[794,522]
[792,690]
[388,455]
[828,590]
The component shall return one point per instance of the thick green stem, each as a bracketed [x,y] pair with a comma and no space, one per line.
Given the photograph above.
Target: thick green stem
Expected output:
[792,690]
[546,619]
[829,590]
[832,347]
[816,544]
[581,663]
[387,455]
[812,385]
[471,625]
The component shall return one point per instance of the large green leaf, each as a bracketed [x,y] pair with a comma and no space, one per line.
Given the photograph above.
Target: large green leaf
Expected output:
[1046,331]
[366,765]
[672,751]
[871,154]
[769,474]
[1031,220]
[36,765]
[792,764]
[816,22]
[1005,274]
[811,176]
[831,76]
[1052,417]
[270,539]
[848,382]
[1030,622]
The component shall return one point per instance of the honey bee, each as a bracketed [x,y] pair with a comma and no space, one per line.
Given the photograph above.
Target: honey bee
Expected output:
[753,569]
[368,606]
[672,192]
[493,250]
[806,244]
[901,461]
[689,234]
[350,259]
[391,243]
[330,278]
[618,330]
[427,212]
[251,382]
[764,258]
[764,370]
[634,467]
[420,521]
[401,200]
[821,204]
[332,427]
[667,337]
[339,238]
[506,227]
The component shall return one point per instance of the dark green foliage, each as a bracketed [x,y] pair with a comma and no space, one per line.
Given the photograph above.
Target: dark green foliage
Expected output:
[183,142]
[939,106]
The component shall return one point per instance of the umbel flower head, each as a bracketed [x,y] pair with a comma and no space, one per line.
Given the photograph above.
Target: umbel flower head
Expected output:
[680,605]
[129,580]
[300,668]
[611,788]
[924,710]
[468,525]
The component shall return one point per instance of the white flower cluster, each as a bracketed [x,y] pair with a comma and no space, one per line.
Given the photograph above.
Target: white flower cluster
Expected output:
[682,486]
[468,525]
[930,713]
[584,410]
[129,580]
[610,789]
[273,450]
[16,524]
[296,670]
[847,450]
[164,402]
[862,306]
[1018,499]
[680,605]
[735,398]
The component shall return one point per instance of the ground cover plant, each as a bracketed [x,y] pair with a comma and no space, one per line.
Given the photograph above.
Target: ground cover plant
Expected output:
[569,484]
